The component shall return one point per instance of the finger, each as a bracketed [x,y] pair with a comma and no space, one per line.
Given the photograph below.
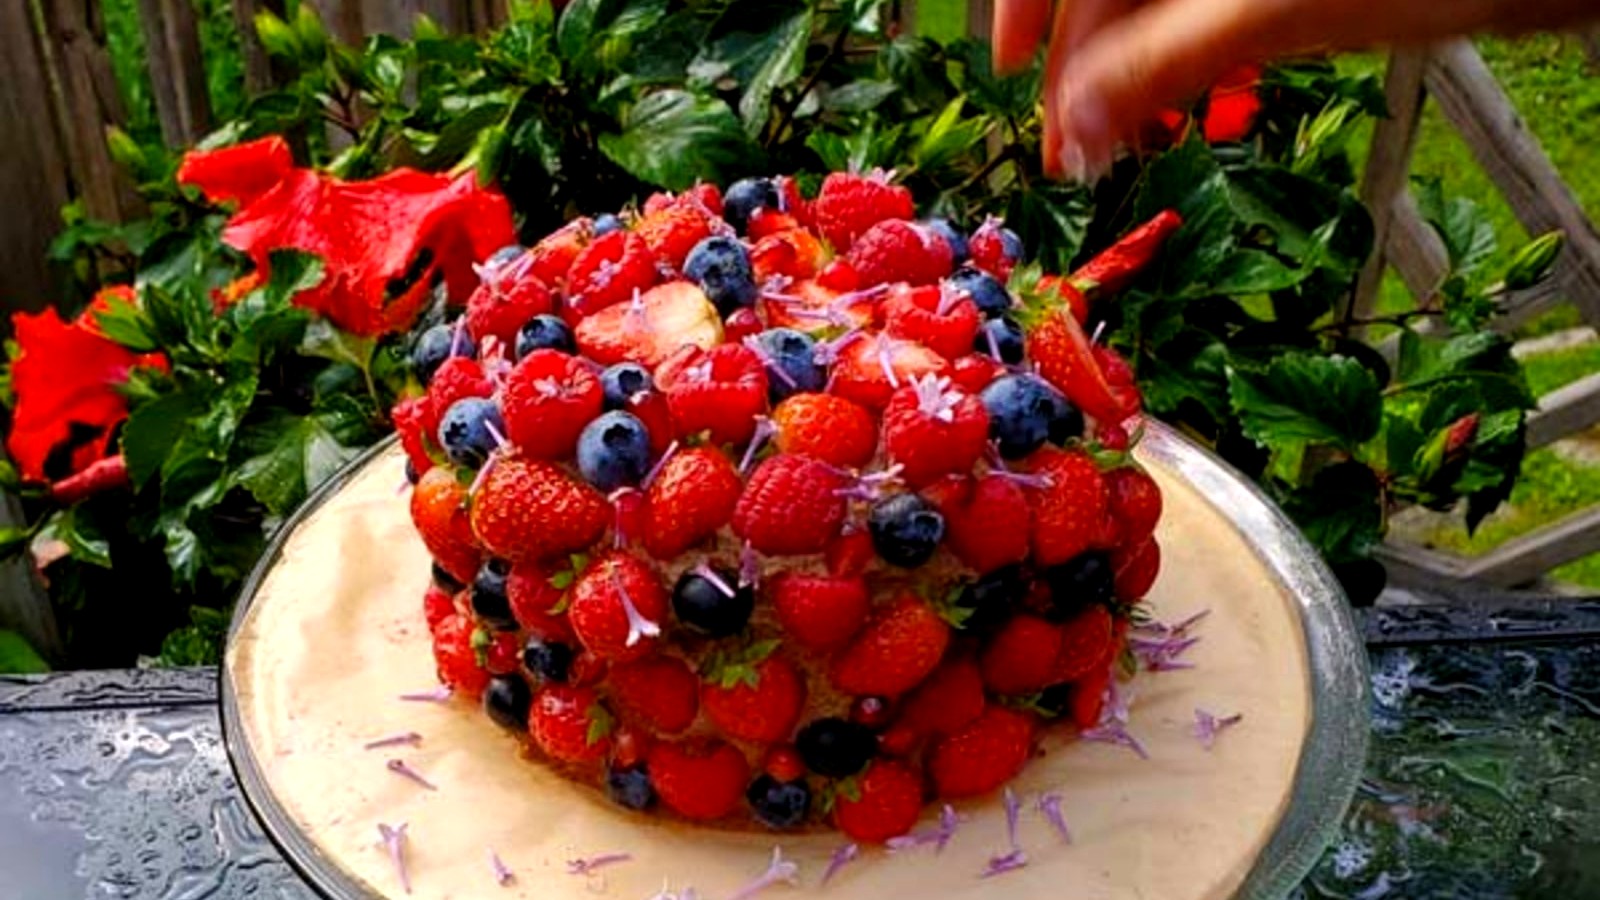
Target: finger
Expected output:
[1019,25]
[1075,22]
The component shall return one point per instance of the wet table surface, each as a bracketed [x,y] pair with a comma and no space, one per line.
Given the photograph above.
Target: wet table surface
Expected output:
[1483,781]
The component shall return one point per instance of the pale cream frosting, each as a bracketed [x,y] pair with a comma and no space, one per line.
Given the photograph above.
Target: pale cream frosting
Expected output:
[336,635]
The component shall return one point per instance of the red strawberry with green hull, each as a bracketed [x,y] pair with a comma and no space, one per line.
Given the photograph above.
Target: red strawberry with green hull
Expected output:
[618,605]
[537,593]
[531,509]
[692,496]
[699,779]
[886,803]
[569,724]
[755,695]
[659,692]
[455,656]
[902,643]
[826,427]
[1067,513]
[439,512]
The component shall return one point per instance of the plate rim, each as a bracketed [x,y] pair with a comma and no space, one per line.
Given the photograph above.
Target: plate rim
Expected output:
[1327,772]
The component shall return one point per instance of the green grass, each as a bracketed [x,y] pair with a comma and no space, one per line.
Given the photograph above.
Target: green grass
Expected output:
[1548,371]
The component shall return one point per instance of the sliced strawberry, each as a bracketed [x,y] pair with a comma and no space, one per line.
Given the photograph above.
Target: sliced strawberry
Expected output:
[651,327]
[871,369]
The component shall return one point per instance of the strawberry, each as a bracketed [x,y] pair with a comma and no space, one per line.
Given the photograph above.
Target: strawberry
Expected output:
[659,201]
[794,203]
[719,391]
[1021,657]
[569,723]
[651,327]
[839,275]
[531,509]
[548,398]
[551,258]
[825,427]
[618,604]
[742,323]
[458,379]
[672,232]
[813,307]
[1136,568]
[902,642]
[794,254]
[1067,513]
[705,196]
[536,591]
[659,693]
[1059,290]
[408,416]
[699,779]
[630,747]
[944,321]
[629,516]
[995,249]
[503,655]
[1060,351]
[986,522]
[765,222]
[931,429]
[438,604]
[849,204]
[973,372]
[898,251]
[850,554]
[650,408]
[692,496]
[950,698]
[979,758]
[821,612]
[1135,503]
[1086,644]
[1088,698]
[791,506]
[754,696]
[871,369]
[608,271]
[888,800]
[439,512]
[455,656]
[501,306]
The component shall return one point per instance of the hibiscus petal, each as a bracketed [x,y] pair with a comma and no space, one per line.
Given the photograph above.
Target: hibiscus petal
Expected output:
[240,173]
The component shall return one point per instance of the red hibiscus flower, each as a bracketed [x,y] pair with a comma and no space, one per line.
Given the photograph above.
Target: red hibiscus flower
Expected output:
[381,241]
[1232,106]
[66,378]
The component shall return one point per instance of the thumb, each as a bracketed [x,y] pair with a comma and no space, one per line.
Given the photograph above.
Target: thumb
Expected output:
[1019,26]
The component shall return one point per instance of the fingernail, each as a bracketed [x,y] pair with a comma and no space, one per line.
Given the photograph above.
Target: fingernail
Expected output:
[1087,119]
[1074,165]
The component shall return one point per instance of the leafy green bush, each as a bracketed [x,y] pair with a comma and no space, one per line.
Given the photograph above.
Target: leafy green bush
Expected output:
[1240,335]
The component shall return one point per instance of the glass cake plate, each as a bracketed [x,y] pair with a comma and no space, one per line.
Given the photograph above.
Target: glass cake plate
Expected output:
[1324,780]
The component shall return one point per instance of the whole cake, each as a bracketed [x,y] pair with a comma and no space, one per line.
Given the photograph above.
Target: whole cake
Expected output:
[782,513]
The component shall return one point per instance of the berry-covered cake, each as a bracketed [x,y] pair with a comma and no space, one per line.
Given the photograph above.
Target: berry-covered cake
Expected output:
[780,513]
[773,542]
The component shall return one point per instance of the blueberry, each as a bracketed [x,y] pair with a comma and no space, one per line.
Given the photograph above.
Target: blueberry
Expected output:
[744,197]
[545,332]
[989,600]
[631,787]
[506,699]
[792,366]
[721,265]
[1001,338]
[1025,411]
[622,381]
[614,451]
[986,291]
[467,431]
[952,236]
[835,747]
[489,601]
[702,604]
[438,344]
[505,256]
[779,804]
[1080,582]
[605,223]
[445,581]
[906,530]
[411,472]
[550,660]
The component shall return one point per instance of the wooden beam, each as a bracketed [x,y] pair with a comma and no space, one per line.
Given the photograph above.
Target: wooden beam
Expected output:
[177,69]
[980,19]
[1383,183]
[34,180]
[1415,249]
[1565,411]
[1526,558]
[1474,102]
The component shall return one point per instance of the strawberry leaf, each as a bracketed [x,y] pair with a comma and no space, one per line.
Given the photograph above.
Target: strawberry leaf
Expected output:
[601,724]
[479,642]
[561,580]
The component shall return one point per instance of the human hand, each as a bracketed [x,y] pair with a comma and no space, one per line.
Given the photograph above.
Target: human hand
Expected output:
[1111,65]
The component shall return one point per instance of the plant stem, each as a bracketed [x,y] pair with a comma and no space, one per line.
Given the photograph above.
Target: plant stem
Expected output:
[1006,154]
[787,114]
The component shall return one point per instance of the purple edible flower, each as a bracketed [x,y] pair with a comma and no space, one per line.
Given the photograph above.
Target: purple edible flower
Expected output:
[765,430]
[665,893]
[749,566]
[587,865]
[502,873]
[867,487]
[841,857]
[410,738]
[779,871]
[650,476]
[394,840]
[710,574]
[935,399]
[399,767]
[1050,808]
[1161,654]
[886,360]
[1008,862]
[1013,812]
[1207,726]
[639,627]
[1113,725]
[939,836]
[437,695]
[826,353]
[1179,629]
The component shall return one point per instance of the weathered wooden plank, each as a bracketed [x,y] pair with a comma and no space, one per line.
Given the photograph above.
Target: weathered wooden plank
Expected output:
[33,180]
[1524,559]
[1565,411]
[1414,249]
[257,68]
[1474,102]
[980,19]
[1389,166]
[177,70]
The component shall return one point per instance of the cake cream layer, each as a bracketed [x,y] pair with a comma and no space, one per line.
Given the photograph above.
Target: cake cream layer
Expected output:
[336,634]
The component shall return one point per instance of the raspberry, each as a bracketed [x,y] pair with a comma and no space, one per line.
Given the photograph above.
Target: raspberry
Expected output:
[944,321]
[608,271]
[408,417]
[850,204]
[499,310]
[826,427]
[931,429]
[458,379]
[995,249]
[548,398]
[895,251]
[720,391]
[792,505]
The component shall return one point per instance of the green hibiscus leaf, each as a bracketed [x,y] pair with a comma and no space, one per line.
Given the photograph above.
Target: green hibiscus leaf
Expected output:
[17,656]
[948,136]
[154,428]
[1340,512]
[782,52]
[672,138]
[1053,219]
[1306,397]
[127,324]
